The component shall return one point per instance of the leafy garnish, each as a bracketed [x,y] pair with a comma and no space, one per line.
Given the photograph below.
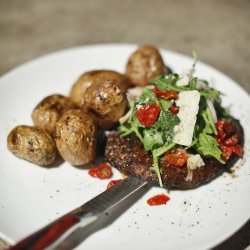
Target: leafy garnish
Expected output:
[151,139]
[165,104]
[193,83]
[166,123]
[205,128]
[156,154]
[158,136]
[165,82]
[208,146]
[210,93]
[147,97]
[169,83]
[210,126]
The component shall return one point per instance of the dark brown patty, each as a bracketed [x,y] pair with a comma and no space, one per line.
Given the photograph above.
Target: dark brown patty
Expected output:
[128,155]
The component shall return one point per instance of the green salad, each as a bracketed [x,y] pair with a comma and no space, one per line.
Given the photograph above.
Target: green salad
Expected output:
[177,117]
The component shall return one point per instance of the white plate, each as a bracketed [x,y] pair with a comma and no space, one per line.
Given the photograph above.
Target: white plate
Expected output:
[32,196]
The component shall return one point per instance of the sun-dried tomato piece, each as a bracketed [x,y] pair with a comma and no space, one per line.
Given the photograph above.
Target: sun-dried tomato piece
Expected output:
[148,114]
[102,171]
[231,141]
[174,109]
[177,157]
[165,94]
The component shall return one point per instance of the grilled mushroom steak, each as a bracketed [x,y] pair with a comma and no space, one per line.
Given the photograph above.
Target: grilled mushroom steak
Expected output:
[128,155]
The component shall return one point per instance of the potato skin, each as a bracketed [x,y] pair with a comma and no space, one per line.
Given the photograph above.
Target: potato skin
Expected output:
[32,144]
[106,102]
[76,137]
[143,65]
[79,88]
[49,110]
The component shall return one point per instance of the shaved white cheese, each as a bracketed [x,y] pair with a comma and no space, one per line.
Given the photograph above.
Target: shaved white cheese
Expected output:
[184,81]
[195,161]
[188,103]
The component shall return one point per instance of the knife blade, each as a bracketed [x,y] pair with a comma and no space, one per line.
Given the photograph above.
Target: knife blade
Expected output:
[54,233]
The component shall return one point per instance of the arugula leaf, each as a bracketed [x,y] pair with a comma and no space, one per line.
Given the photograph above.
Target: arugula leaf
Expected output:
[169,83]
[131,126]
[151,139]
[148,139]
[210,93]
[208,146]
[156,153]
[204,141]
[165,82]
[147,97]
[166,123]
[209,123]
[165,104]
[193,83]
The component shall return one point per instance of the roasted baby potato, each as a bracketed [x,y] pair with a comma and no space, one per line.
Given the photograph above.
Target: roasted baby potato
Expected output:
[96,76]
[106,102]
[143,65]
[49,110]
[76,137]
[32,144]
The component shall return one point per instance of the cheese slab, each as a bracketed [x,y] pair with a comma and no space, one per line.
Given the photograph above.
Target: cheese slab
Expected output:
[188,103]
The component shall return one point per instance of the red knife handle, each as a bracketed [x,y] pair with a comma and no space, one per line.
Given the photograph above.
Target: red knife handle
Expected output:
[47,235]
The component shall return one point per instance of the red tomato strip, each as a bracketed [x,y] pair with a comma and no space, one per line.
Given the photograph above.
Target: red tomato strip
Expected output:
[228,140]
[148,114]
[102,171]
[232,140]
[159,199]
[165,94]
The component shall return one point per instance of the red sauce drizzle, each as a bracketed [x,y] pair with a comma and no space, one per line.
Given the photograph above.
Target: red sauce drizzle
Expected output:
[159,199]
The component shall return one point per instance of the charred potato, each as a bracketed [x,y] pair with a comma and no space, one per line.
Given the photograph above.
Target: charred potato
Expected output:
[49,110]
[79,88]
[76,137]
[106,102]
[32,144]
[143,65]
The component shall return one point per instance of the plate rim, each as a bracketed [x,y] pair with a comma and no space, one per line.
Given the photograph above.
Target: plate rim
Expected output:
[47,56]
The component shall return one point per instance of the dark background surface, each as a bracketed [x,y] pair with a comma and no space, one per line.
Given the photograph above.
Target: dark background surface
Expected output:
[219,30]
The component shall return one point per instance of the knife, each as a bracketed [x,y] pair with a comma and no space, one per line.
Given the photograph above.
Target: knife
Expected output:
[53,234]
